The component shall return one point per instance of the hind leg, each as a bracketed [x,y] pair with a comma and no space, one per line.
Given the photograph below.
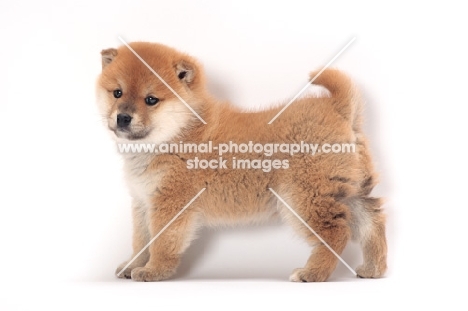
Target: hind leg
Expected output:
[374,248]
[327,217]
[369,230]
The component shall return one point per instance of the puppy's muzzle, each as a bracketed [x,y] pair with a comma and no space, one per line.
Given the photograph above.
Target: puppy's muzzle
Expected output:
[123,120]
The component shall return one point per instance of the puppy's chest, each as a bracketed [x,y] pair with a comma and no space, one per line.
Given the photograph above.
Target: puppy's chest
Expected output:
[142,181]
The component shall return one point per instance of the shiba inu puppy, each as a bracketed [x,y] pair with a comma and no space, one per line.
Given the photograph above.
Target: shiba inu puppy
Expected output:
[330,191]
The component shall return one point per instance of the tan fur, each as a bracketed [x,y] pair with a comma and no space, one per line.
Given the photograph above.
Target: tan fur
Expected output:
[329,191]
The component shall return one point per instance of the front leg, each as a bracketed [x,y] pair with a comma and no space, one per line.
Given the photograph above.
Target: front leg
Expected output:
[166,249]
[141,237]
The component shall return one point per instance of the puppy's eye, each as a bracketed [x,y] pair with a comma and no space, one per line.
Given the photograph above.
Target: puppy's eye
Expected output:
[117,93]
[151,101]
[182,74]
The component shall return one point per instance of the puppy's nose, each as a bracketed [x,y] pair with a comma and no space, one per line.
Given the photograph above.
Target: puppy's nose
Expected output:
[123,120]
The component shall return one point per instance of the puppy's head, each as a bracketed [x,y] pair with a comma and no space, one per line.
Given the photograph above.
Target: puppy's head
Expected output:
[136,103]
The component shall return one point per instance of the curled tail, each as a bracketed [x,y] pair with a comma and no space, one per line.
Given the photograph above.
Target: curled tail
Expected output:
[348,103]
[348,100]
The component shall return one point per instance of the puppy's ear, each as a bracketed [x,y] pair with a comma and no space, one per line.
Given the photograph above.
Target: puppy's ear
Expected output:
[185,72]
[108,56]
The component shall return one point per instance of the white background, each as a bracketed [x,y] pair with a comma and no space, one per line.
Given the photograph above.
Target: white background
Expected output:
[65,216]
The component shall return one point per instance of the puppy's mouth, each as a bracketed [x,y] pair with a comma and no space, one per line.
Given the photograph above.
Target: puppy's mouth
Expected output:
[128,134]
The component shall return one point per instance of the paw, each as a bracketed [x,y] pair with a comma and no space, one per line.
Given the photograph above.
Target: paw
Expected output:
[145,274]
[368,272]
[308,275]
[126,273]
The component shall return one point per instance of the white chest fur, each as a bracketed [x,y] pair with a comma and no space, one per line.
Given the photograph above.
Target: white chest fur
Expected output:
[141,181]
